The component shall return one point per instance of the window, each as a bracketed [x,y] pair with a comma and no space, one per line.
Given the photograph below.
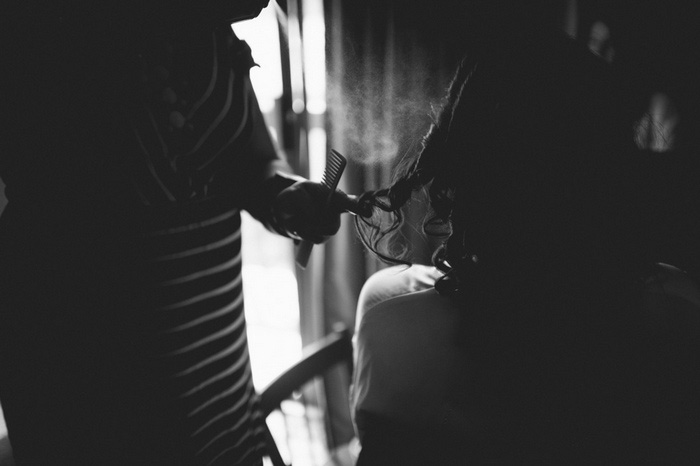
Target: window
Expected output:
[270,286]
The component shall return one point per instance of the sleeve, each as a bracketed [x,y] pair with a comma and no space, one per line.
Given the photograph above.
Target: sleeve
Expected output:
[251,156]
[405,358]
[400,408]
[260,172]
[394,281]
[380,287]
[198,131]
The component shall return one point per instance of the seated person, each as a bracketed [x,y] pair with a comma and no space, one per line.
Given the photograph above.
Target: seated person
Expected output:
[385,286]
[395,281]
[553,334]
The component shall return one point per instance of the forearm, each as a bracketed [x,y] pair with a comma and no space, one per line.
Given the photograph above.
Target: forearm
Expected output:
[260,203]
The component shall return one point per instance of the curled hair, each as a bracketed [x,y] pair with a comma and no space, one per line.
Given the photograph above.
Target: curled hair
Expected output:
[530,160]
[410,180]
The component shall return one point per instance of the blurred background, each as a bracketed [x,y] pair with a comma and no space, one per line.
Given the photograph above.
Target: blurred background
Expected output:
[363,78]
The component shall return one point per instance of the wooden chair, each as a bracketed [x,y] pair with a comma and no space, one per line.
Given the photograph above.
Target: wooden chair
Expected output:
[6,458]
[319,357]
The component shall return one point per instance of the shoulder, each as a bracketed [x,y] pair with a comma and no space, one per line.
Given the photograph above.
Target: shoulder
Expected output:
[674,283]
[671,303]
[394,281]
[400,305]
[417,328]
[411,308]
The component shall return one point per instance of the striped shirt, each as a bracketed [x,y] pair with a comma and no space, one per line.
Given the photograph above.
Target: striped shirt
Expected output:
[103,201]
[191,133]
[201,346]
[193,117]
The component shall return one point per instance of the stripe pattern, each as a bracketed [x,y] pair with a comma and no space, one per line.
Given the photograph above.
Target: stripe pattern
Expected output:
[193,122]
[194,115]
[201,346]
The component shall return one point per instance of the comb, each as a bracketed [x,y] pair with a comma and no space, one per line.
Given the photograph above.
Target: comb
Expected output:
[335,164]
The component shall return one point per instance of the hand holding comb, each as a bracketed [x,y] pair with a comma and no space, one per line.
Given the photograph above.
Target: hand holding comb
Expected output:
[335,164]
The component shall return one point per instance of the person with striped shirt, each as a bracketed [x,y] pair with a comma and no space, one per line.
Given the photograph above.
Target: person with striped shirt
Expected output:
[135,142]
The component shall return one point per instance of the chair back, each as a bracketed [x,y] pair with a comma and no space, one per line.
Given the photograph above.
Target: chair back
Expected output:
[319,357]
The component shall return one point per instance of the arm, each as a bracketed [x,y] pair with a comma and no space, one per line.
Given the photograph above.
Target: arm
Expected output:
[263,184]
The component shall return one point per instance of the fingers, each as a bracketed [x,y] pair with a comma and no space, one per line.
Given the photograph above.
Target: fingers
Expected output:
[303,211]
[310,211]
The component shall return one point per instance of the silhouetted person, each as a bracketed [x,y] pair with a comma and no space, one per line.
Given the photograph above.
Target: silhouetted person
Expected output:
[133,141]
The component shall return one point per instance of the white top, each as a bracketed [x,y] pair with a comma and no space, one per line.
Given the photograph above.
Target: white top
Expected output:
[406,353]
[403,343]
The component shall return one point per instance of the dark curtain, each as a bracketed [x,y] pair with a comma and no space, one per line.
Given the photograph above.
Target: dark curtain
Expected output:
[388,64]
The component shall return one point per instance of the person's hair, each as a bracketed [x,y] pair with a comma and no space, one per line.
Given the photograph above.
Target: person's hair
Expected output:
[530,162]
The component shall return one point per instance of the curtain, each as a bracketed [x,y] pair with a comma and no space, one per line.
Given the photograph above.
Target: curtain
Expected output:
[387,65]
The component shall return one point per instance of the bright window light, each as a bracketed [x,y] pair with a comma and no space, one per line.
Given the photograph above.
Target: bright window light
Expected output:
[262,34]
[269,280]
[314,32]
[317,153]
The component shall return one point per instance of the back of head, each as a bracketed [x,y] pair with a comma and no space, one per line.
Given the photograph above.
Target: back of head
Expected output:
[538,143]
[531,159]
